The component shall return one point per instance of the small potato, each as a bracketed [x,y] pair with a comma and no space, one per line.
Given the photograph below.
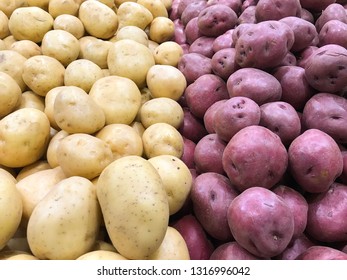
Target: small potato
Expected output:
[60,7]
[118,97]
[38,74]
[95,50]
[10,94]
[4,30]
[30,99]
[132,32]
[32,168]
[132,13]
[30,23]
[165,81]
[82,73]
[10,207]
[156,7]
[176,177]
[168,53]
[70,24]
[162,139]
[101,255]
[138,126]
[24,136]
[123,60]
[65,223]
[122,139]
[161,29]
[26,48]
[98,19]
[52,149]
[49,105]
[12,63]
[161,110]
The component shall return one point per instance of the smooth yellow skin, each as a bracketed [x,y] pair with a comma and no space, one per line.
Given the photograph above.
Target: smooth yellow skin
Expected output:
[30,99]
[133,33]
[26,48]
[10,207]
[49,105]
[131,13]
[176,177]
[118,97]
[156,7]
[138,126]
[76,112]
[95,50]
[2,45]
[65,223]
[84,155]
[30,23]
[10,94]
[167,4]
[98,19]
[134,206]
[13,63]
[161,29]
[52,149]
[8,6]
[60,7]
[24,136]
[69,23]
[4,30]
[101,255]
[43,4]
[168,53]
[11,255]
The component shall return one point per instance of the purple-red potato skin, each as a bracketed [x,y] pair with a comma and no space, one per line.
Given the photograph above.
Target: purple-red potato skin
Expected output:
[297,204]
[234,114]
[203,45]
[192,10]
[327,112]
[211,195]
[319,252]
[334,11]
[288,60]
[307,15]
[179,34]
[210,115]
[208,154]
[188,153]
[343,177]
[216,19]
[183,4]
[316,6]
[326,220]
[295,89]
[261,222]
[304,55]
[281,118]
[199,246]
[223,63]
[333,32]
[173,14]
[255,84]
[315,160]
[192,127]
[203,92]
[255,156]
[192,30]
[233,4]
[297,246]
[247,16]
[223,41]
[231,251]
[194,65]
[277,9]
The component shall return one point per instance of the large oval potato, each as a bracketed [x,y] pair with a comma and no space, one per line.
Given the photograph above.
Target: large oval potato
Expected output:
[132,13]
[134,206]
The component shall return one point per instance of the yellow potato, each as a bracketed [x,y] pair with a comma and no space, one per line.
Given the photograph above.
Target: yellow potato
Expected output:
[41,73]
[8,6]
[16,255]
[161,29]
[133,33]
[119,98]
[162,139]
[109,3]
[134,205]
[82,73]
[30,23]
[130,59]
[10,207]
[12,63]
[2,45]
[10,94]
[103,245]
[32,168]
[61,45]
[123,140]
[4,30]
[119,2]
[84,155]
[98,19]
[26,48]
[8,41]
[167,4]
[69,23]
[49,105]
[176,177]
[173,247]
[145,96]
[95,50]
[131,13]
[166,81]
[52,154]
[168,53]
[60,7]
[24,136]
[76,112]
[156,7]
[66,222]
[101,255]
[152,46]
[161,110]
[139,128]
[43,4]
[30,99]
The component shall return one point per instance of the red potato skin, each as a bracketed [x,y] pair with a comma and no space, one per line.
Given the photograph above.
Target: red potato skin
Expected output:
[316,6]
[210,115]
[179,34]
[192,10]
[182,5]
[247,16]
[277,9]
[192,31]
[333,32]
[192,127]
[343,177]
[333,11]
[173,13]
[297,246]
[203,45]
[232,251]
[304,55]
[223,63]
[235,5]
[188,153]
[307,15]
[261,222]
[322,253]
[223,41]
[194,65]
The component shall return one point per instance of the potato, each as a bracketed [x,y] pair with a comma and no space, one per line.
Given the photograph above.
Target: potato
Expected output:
[38,74]
[24,136]
[156,7]
[173,247]
[168,53]
[82,73]
[84,155]
[132,13]
[247,15]
[118,97]
[123,60]
[334,11]
[70,24]
[11,207]
[10,94]
[76,112]
[101,255]
[98,19]
[49,105]
[60,7]
[4,29]
[192,31]
[210,114]
[65,223]
[131,32]
[162,139]
[161,29]
[232,251]
[24,20]
[52,149]
[95,50]
[319,252]
[103,245]
[43,4]
[134,205]
[16,255]
[39,165]
[333,32]
[276,10]
[192,10]
[26,48]
[122,139]
[202,45]
[194,65]
[223,63]
[139,128]
[179,33]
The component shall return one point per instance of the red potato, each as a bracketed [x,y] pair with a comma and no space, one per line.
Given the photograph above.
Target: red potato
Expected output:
[277,9]
[192,127]
[183,4]
[173,13]
[327,112]
[261,222]
[203,45]
[288,60]
[304,55]
[231,251]
[233,115]
[247,16]
[333,32]
[343,177]
[223,63]
[322,253]
[296,91]
[326,219]
[203,92]
[188,153]
[192,30]
[333,11]
[211,196]
[282,119]
[316,6]
[255,156]
[208,154]
[233,4]
[216,19]
[315,160]
[199,246]
[297,246]
[223,41]
[194,65]
[255,84]
[307,15]
[326,68]
[192,10]
[210,115]
[248,3]
[179,34]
